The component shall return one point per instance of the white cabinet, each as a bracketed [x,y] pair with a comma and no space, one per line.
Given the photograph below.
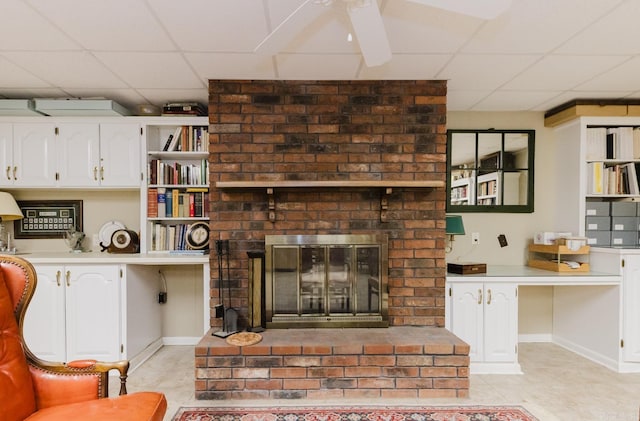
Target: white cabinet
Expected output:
[485,315]
[27,155]
[91,155]
[75,313]
[631,309]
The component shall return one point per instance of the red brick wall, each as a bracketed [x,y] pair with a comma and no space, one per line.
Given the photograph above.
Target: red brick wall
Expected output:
[334,130]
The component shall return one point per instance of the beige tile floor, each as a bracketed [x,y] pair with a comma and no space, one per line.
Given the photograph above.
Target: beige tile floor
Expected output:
[557,385]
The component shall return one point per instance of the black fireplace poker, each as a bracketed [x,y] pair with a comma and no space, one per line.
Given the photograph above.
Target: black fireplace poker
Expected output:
[228,313]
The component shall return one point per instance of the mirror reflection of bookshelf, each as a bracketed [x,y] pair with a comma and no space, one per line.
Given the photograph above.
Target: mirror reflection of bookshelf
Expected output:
[462,192]
[493,191]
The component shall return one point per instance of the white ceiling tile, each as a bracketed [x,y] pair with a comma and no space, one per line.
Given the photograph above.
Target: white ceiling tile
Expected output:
[114,25]
[326,66]
[152,70]
[407,66]
[562,72]
[620,78]
[537,26]
[67,69]
[567,96]
[415,28]
[22,28]
[466,71]
[34,93]
[12,75]
[514,100]
[231,66]
[615,33]
[464,100]
[213,25]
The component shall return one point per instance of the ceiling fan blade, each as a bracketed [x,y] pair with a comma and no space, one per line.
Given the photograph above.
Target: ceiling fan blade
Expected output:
[289,28]
[483,9]
[370,33]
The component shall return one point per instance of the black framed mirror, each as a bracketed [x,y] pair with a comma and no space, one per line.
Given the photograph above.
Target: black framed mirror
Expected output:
[490,170]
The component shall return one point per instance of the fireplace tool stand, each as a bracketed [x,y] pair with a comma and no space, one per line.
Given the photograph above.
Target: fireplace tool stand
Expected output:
[229,314]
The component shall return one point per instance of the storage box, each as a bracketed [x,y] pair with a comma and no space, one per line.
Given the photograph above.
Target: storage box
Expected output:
[80,107]
[549,238]
[598,223]
[624,208]
[466,268]
[598,238]
[598,208]
[624,238]
[624,223]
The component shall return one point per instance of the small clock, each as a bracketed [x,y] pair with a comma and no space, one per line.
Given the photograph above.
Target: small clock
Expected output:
[198,236]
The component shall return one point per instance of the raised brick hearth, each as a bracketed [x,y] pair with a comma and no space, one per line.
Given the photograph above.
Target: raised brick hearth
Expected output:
[397,362]
[319,131]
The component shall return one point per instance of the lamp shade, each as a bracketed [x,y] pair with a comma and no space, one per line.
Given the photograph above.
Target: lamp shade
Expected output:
[454,225]
[9,209]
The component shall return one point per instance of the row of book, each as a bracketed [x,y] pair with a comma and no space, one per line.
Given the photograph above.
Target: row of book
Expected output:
[162,172]
[172,238]
[187,139]
[613,179]
[177,203]
[621,143]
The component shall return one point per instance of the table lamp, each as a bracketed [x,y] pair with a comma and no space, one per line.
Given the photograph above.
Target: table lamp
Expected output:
[9,211]
[454,227]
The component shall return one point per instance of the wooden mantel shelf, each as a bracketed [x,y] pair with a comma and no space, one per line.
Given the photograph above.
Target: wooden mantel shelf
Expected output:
[320,184]
[387,187]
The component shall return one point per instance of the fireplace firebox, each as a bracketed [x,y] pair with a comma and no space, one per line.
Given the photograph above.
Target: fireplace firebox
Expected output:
[326,281]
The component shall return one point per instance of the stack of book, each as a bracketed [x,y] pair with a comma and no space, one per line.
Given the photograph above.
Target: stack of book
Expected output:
[184,108]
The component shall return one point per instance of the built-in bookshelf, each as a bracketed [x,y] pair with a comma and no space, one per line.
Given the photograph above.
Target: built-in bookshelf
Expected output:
[177,190]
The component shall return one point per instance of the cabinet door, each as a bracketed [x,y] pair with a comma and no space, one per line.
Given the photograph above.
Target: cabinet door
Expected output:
[93,312]
[500,322]
[44,324]
[120,155]
[467,316]
[79,155]
[6,155]
[631,309]
[34,155]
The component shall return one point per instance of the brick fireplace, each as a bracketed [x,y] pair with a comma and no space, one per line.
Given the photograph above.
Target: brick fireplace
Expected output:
[333,157]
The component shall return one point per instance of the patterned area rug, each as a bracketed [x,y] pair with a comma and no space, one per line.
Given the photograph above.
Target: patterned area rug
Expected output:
[430,413]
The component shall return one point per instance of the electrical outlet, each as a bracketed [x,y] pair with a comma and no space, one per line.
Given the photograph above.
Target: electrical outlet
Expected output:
[475,238]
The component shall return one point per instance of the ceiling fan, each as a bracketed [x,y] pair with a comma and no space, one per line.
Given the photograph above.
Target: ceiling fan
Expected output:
[367,23]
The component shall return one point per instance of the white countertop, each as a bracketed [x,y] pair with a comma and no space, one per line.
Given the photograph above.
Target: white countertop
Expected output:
[525,275]
[114,258]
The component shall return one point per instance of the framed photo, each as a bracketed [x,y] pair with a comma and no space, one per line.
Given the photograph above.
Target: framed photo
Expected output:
[47,218]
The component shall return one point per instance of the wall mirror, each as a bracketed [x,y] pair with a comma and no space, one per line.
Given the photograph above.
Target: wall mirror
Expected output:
[490,170]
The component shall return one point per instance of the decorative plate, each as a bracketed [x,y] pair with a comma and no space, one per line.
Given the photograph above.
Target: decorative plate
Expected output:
[106,232]
[198,236]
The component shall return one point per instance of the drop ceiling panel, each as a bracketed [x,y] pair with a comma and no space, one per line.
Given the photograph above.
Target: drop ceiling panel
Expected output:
[562,72]
[464,100]
[328,66]
[617,32]
[12,75]
[162,96]
[620,78]
[152,70]
[67,69]
[537,26]
[407,66]
[484,72]
[213,25]
[231,66]
[114,25]
[514,100]
[572,95]
[415,28]
[22,28]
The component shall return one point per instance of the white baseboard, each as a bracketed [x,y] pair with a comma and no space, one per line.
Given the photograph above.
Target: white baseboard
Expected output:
[535,337]
[587,353]
[181,340]
[144,355]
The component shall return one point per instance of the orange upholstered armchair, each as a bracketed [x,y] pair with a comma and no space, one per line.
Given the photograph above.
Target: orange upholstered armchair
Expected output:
[32,389]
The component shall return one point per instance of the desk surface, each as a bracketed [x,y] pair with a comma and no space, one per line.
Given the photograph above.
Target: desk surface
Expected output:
[525,275]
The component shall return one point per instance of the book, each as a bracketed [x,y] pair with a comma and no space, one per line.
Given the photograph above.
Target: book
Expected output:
[161,202]
[175,140]
[152,203]
[167,143]
[169,204]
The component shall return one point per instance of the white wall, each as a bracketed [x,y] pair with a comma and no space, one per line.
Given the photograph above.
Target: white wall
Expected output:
[535,302]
